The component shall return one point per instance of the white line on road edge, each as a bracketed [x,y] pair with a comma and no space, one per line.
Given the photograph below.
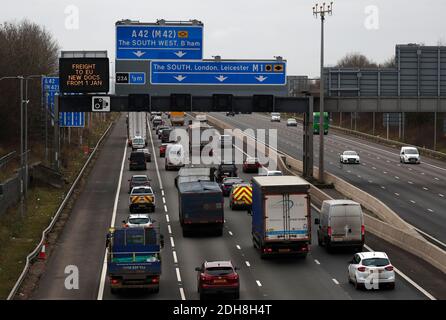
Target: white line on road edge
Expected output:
[167,218]
[430,237]
[230,233]
[238,247]
[183,297]
[427,294]
[172,243]
[169,229]
[335,281]
[258,283]
[317,261]
[430,210]
[165,208]
[177,270]
[112,224]
[162,193]
[175,259]
[441,195]
[247,263]
[164,200]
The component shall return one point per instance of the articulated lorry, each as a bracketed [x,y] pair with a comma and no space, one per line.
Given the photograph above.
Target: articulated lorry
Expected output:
[201,207]
[137,129]
[177,118]
[134,260]
[281,215]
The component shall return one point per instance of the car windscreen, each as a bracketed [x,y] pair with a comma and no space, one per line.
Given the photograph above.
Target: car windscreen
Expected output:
[227,167]
[375,262]
[411,151]
[136,156]
[139,141]
[350,153]
[139,179]
[139,220]
[142,190]
[219,271]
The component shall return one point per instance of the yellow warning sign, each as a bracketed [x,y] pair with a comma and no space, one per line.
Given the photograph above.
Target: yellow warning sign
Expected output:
[183,34]
[278,67]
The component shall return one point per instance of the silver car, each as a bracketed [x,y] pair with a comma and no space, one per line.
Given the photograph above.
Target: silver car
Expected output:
[371,270]
[138,220]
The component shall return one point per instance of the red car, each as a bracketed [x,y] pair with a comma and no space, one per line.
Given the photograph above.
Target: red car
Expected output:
[251,165]
[218,277]
[163,148]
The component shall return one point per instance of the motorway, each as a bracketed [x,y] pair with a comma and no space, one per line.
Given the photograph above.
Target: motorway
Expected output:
[104,202]
[417,193]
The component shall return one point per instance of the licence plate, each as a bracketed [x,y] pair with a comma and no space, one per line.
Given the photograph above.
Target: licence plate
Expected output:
[284,250]
[337,238]
[220,281]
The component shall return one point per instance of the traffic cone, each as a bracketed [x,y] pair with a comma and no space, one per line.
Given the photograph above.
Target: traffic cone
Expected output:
[42,253]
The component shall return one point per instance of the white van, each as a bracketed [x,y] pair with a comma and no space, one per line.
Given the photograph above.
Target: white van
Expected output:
[175,157]
[275,117]
[341,224]
[409,155]
[263,171]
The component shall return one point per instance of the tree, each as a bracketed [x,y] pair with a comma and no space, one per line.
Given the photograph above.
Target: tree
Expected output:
[25,49]
[356,60]
[389,63]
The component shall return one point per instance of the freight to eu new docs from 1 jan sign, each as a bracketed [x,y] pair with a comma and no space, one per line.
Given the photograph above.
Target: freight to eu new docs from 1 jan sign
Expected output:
[218,72]
[152,42]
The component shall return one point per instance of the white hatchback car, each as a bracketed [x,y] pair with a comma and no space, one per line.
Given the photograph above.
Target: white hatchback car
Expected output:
[349,157]
[138,220]
[371,270]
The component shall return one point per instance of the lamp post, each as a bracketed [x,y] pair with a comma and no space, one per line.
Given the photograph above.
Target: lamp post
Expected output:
[321,11]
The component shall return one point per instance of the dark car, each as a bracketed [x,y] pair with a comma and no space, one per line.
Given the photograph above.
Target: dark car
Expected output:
[137,161]
[159,130]
[251,165]
[230,113]
[163,148]
[147,154]
[227,184]
[218,277]
[165,135]
[138,181]
[225,170]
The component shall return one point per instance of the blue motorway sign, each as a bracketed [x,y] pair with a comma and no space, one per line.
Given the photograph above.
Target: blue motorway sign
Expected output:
[50,88]
[218,72]
[71,119]
[147,42]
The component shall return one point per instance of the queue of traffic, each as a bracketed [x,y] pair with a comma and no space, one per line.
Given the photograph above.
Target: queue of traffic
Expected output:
[280,207]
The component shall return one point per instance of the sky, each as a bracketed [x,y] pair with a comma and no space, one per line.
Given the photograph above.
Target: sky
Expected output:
[248,29]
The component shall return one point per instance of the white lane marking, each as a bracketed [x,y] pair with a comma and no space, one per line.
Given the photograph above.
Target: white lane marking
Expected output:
[175,259]
[162,193]
[164,200]
[177,270]
[430,210]
[112,224]
[169,229]
[397,194]
[396,177]
[412,201]
[441,195]
[409,169]
[258,283]
[317,261]
[349,171]
[156,161]
[238,247]
[424,188]
[409,182]
[427,294]
[165,208]
[373,168]
[382,187]
[230,233]
[359,176]
[385,172]
[167,218]
[172,243]
[370,181]
[437,179]
[335,281]
[422,173]
[247,263]
[183,297]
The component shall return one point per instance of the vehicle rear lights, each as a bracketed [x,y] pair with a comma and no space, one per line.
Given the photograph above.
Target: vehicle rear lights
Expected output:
[267,250]
[362,230]
[389,268]
[361,269]
[329,231]
[155,280]
[115,281]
